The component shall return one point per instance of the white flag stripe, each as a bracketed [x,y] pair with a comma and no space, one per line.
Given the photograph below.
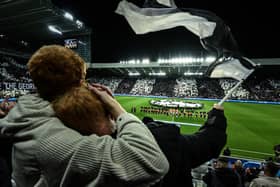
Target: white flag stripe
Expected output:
[233,69]
[125,7]
[169,3]
[145,20]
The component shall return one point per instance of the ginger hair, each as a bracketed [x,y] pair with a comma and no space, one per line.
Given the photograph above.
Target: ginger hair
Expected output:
[80,110]
[54,69]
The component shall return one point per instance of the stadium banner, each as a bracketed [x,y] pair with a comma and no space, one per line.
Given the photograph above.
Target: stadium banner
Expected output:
[16,85]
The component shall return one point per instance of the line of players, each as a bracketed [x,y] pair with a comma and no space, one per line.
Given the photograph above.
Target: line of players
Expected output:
[176,112]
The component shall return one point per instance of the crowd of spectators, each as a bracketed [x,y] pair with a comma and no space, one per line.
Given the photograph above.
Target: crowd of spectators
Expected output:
[13,70]
[237,172]
[185,88]
[143,87]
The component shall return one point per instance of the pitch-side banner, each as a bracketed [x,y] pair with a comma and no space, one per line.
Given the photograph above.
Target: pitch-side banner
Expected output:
[16,85]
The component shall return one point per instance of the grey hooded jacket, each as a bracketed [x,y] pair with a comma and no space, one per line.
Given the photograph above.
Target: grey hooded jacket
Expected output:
[47,153]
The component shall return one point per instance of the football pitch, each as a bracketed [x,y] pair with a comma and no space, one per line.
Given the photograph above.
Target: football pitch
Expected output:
[253,129]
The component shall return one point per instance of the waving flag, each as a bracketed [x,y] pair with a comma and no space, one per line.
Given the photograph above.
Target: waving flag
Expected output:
[214,34]
[145,20]
[238,69]
[159,3]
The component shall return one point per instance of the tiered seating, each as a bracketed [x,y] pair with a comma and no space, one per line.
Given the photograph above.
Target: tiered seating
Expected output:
[125,86]
[111,83]
[164,87]
[143,87]
[12,70]
[185,88]
[239,93]
[209,88]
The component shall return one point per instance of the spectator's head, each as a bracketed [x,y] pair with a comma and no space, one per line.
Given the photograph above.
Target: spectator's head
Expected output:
[222,162]
[238,164]
[81,110]
[54,69]
[271,169]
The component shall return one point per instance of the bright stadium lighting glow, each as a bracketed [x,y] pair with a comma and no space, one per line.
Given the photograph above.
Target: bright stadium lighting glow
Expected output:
[132,61]
[54,29]
[161,61]
[79,24]
[146,61]
[82,43]
[157,74]
[133,73]
[186,60]
[192,73]
[210,59]
[24,42]
[69,16]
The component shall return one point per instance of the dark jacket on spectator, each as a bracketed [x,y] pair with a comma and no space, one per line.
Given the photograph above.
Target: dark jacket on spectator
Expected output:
[5,161]
[185,152]
[222,177]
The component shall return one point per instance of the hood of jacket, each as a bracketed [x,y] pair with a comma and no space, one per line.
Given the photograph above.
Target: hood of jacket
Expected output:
[30,111]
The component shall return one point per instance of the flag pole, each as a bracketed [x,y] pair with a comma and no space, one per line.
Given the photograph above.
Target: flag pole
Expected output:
[230,92]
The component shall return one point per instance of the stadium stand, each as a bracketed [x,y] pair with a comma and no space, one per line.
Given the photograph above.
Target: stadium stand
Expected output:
[143,87]
[164,87]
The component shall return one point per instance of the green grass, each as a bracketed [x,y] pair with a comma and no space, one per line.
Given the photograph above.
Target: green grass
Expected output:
[253,129]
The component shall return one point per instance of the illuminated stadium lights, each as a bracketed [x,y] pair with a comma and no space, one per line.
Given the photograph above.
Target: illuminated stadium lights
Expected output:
[180,60]
[23,42]
[192,73]
[186,60]
[210,59]
[136,61]
[157,74]
[79,23]
[133,74]
[132,62]
[69,16]
[54,29]
[82,43]
[146,61]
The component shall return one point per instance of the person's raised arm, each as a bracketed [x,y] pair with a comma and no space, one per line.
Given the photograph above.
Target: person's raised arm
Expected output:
[208,142]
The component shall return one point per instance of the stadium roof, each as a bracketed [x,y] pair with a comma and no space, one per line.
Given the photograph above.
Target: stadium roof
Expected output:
[193,69]
[28,21]
[112,39]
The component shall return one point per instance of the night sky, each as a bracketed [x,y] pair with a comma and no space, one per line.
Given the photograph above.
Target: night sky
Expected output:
[253,24]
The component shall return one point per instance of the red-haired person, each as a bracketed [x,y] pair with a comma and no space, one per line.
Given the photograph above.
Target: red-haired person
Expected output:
[48,153]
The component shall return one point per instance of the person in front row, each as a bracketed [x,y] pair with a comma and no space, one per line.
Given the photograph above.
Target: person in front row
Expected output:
[269,179]
[48,153]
